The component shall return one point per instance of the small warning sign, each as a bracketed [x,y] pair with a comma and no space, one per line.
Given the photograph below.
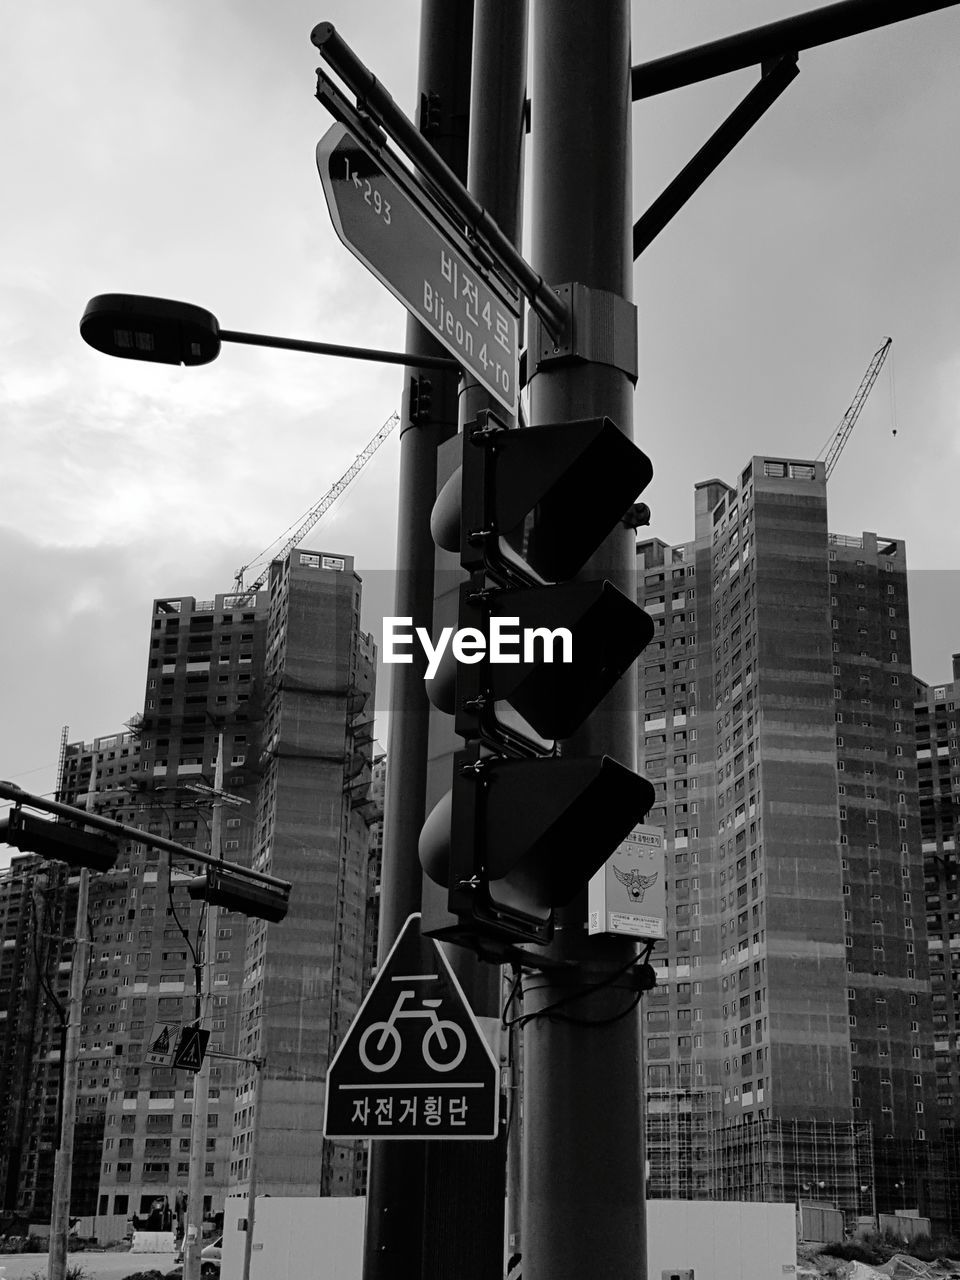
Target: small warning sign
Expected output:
[414,1062]
[189,1052]
[162,1043]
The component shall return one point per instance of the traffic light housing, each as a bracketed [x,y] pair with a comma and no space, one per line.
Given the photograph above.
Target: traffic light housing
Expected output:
[58,840]
[523,827]
[229,888]
[513,839]
[420,404]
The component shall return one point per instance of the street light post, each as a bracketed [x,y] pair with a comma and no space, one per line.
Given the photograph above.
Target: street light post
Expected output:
[193,1237]
[163,331]
[63,1165]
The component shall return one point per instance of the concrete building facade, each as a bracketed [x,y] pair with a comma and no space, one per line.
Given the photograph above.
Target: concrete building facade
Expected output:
[770,635]
[936,710]
[287,677]
[204,678]
[937,723]
[37,916]
[304,979]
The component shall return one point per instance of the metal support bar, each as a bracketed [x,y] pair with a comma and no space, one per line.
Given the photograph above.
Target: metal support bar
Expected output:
[717,147]
[334,349]
[763,44]
[10,791]
[374,99]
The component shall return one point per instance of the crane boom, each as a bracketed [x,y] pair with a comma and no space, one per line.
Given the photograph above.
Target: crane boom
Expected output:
[834,446]
[322,507]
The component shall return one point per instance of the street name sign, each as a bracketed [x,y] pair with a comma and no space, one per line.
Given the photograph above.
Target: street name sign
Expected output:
[413,248]
[414,1062]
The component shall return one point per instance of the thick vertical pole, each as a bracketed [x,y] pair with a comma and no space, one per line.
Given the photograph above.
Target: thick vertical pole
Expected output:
[466,1181]
[193,1237]
[395,1182]
[260,1067]
[63,1165]
[583,1114]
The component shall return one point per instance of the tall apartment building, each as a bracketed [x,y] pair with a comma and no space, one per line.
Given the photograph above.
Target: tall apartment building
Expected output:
[304,979]
[287,677]
[204,679]
[38,928]
[937,716]
[937,720]
[785,1050]
[98,775]
[37,913]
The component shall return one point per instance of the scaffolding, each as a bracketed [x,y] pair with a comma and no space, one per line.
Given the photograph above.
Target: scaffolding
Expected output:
[787,1161]
[680,1128]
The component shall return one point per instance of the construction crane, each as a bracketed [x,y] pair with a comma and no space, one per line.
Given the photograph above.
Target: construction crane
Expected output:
[834,446]
[315,513]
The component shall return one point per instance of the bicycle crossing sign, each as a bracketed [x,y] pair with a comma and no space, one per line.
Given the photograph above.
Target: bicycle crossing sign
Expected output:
[414,1063]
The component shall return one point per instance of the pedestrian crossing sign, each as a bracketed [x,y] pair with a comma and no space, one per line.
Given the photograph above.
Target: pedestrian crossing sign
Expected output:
[188,1054]
[162,1044]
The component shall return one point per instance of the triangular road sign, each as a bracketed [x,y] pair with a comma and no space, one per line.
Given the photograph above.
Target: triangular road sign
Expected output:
[161,1044]
[190,1048]
[414,1063]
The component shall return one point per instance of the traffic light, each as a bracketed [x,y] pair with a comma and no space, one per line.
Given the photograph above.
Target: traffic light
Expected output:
[420,395]
[229,888]
[523,828]
[58,840]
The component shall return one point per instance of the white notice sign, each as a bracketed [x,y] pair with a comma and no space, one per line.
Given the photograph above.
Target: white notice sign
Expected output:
[628,895]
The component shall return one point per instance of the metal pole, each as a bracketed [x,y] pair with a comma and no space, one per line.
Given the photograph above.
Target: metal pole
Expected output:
[466,1181]
[335,349]
[252,1171]
[760,44]
[10,791]
[393,1244]
[583,1139]
[193,1237]
[63,1166]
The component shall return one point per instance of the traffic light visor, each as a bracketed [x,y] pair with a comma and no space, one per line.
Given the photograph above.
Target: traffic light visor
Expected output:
[554,494]
[58,840]
[514,839]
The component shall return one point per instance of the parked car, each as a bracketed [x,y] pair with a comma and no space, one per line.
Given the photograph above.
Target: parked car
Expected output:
[212,1252]
[209,1262]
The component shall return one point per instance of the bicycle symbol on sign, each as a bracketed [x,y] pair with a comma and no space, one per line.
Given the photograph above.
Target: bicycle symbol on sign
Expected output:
[444,1043]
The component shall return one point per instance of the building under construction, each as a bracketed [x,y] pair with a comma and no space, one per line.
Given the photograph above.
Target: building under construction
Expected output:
[791,1022]
[284,677]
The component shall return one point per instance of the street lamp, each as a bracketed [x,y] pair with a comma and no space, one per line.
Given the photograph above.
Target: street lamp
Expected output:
[163,331]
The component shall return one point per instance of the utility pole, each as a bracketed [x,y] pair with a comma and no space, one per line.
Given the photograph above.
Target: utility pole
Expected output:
[395,1218]
[259,1066]
[63,1165]
[583,1116]
[193,1237]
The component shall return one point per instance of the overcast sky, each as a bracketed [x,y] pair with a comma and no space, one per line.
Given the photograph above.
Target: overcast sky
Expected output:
[168,148]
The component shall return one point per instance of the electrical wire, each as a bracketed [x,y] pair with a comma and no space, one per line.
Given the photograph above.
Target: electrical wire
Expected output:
[550,1011]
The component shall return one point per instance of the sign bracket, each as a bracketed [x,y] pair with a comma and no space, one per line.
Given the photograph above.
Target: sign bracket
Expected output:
[376,101]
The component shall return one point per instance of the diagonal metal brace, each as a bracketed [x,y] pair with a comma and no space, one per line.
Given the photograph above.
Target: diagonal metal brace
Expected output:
[718,146]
